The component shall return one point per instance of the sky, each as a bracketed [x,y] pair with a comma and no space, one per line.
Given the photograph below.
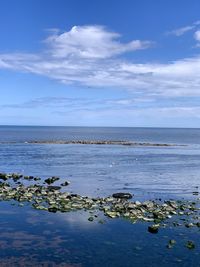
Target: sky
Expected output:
[129,63]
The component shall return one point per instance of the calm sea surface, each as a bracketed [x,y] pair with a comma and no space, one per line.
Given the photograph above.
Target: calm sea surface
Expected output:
[35,238]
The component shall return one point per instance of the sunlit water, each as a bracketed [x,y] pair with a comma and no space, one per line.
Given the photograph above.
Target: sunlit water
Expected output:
[30,237]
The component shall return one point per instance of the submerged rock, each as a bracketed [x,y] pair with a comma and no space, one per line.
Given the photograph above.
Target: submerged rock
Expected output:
[171,243]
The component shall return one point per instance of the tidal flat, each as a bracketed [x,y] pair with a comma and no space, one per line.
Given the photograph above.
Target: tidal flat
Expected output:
[153,216]
[60,203]
[49,197]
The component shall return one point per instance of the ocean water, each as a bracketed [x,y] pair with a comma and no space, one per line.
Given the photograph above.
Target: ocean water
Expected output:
[35,238]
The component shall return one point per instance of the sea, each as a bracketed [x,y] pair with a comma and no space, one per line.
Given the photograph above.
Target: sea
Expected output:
[30,237]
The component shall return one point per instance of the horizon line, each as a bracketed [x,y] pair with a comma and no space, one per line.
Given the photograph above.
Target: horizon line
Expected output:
[90,126]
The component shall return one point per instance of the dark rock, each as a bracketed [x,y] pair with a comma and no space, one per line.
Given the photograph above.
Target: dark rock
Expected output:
[65,183]
[51,180]
[198,224]
[28,177]
[90,219]
[190,245]
[122,195]
[153,229]
[3,176]
[52,209]
[37,179]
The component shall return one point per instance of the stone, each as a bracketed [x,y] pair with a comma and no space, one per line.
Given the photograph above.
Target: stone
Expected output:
[28,177]
[111,214]
[51,198]
[153,228]
[51,180]
[53,209]
[189,225]
[36,178]
[65,183]
[3,176]
[190,245]
[122,195]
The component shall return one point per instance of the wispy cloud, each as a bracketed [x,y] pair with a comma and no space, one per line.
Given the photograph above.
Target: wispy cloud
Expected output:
[65,103]
[151,116]
[87,103]
[91,56]
[86,111]
[180,31]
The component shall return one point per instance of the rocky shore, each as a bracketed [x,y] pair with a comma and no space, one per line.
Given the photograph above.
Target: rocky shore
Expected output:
[98,142]
[43,195]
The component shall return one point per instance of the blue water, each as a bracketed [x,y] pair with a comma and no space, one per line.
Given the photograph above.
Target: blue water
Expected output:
[163,135]
[37,237]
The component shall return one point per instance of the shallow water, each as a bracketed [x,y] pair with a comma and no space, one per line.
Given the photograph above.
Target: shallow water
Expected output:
[36,237]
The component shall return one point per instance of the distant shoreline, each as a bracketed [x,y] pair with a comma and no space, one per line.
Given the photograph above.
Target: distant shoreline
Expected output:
[93,142]
[100,126]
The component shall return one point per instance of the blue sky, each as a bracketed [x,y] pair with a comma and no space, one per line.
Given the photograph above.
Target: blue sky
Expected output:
[100,63]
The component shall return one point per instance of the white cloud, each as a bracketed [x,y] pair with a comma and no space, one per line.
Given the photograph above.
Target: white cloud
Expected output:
[90,42]
[87,56]
[179,78]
